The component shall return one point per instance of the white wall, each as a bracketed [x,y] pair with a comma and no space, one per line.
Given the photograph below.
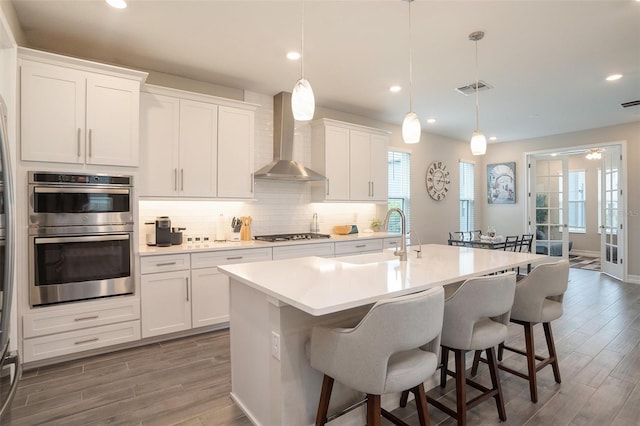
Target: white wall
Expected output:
[511,217]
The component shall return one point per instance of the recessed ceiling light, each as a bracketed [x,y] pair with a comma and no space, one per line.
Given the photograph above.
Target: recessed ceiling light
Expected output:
[493,138]
[614,77]
[431,120]
[294,56]
[555,154]
[395,89]
[118,4]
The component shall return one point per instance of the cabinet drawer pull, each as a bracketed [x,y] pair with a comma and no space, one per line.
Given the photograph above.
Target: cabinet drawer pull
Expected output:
[393,243]
[328,182]
[80,342]
[234,258]
[175,179]
[166,264]
[181,179]
[361,246]
[373,192]
[86,318]
[187,286]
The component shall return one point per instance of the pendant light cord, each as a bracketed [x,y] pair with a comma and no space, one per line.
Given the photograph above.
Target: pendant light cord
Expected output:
[477,106]
[302,42]
[410,62]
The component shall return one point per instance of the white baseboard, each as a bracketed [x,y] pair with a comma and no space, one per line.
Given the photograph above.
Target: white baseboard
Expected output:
[633,279]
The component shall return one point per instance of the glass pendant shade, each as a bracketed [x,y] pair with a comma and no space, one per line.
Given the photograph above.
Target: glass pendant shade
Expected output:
[478,143]
[303,103]
[411,130]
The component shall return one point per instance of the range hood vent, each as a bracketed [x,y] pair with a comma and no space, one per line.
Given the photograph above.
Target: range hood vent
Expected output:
[283,167]
[630,104]
[470,89]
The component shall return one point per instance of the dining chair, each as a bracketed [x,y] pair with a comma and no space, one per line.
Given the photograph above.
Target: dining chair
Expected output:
[525,247]
[392,349]
[511,243]
[476,235]
[469,326]
[458,236]
[525,243]
[538,299]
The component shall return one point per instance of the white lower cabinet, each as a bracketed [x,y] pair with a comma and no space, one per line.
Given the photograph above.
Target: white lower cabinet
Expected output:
[347,248]
[185,291]
[65,330]
[294,251]
[166,303]
[392,242]
[210,304]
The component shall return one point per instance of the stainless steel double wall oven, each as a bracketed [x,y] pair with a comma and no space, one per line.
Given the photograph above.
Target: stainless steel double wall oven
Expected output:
[80,237]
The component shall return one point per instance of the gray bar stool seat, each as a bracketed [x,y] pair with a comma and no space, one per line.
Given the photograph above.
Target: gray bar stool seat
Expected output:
[476,316]
[393,348]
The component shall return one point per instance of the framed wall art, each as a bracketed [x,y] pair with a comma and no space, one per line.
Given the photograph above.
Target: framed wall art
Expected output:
[501,183]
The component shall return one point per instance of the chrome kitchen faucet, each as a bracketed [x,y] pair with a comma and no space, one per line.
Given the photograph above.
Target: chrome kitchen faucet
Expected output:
[403,241]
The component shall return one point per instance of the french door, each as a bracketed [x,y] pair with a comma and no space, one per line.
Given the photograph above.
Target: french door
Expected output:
[548,204]
[611,211]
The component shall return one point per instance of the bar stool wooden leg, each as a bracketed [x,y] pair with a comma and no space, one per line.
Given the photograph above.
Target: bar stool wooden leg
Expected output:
[500,351]
[421,405]
[476,362]
[444,357]
[461,391]
[531,360]
[373,410]
[495,381]
[552,351]
[323,404]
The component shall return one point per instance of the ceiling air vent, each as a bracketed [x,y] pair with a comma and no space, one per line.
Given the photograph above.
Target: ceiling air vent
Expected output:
[470,89]
[630,104]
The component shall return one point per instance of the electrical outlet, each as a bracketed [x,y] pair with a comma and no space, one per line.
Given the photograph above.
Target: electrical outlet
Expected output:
[275,345]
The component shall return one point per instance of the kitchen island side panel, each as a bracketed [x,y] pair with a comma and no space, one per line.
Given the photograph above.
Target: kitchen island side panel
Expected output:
[285,391]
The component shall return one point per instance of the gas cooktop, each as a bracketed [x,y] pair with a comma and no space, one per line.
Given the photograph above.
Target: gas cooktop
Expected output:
[291,237]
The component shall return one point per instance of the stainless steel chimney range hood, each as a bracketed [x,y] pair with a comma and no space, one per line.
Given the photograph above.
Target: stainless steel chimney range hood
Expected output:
[283,167]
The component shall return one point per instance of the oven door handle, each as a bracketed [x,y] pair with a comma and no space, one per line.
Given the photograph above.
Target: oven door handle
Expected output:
[75,190]
[81,239]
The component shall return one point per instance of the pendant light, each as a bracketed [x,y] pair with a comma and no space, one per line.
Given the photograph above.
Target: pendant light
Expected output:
[411,130]
[303,103]
[478,141]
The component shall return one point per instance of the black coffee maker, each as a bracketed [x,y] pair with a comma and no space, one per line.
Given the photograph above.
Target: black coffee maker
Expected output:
[163,231]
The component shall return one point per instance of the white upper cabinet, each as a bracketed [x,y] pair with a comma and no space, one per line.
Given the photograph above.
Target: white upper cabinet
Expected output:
[159,136]
[207,147]
[235,151]
[354,160]
[70,114]
[368,166]
[198,153]
[330,157]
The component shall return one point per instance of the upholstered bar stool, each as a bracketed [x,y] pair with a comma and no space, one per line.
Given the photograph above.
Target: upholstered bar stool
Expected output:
[475,318]
[394,347]
[538,299]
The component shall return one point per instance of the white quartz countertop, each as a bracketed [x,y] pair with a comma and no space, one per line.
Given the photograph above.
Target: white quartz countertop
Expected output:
[320,286]
[145,250]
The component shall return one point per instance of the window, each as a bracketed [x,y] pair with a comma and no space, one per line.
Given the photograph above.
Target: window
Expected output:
[577,201]
[399,188]
[467,191]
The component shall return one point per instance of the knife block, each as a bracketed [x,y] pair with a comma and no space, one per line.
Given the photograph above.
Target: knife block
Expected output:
[245,233]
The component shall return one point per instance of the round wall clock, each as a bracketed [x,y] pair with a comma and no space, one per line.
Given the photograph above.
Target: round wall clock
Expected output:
[437,180]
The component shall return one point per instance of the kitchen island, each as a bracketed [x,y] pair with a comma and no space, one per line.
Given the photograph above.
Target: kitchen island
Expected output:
[274,305]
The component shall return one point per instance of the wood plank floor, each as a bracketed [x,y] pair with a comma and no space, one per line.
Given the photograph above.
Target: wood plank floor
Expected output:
[187,381]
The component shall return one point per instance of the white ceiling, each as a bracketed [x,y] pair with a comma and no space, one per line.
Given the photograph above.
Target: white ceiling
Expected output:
[546,60]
